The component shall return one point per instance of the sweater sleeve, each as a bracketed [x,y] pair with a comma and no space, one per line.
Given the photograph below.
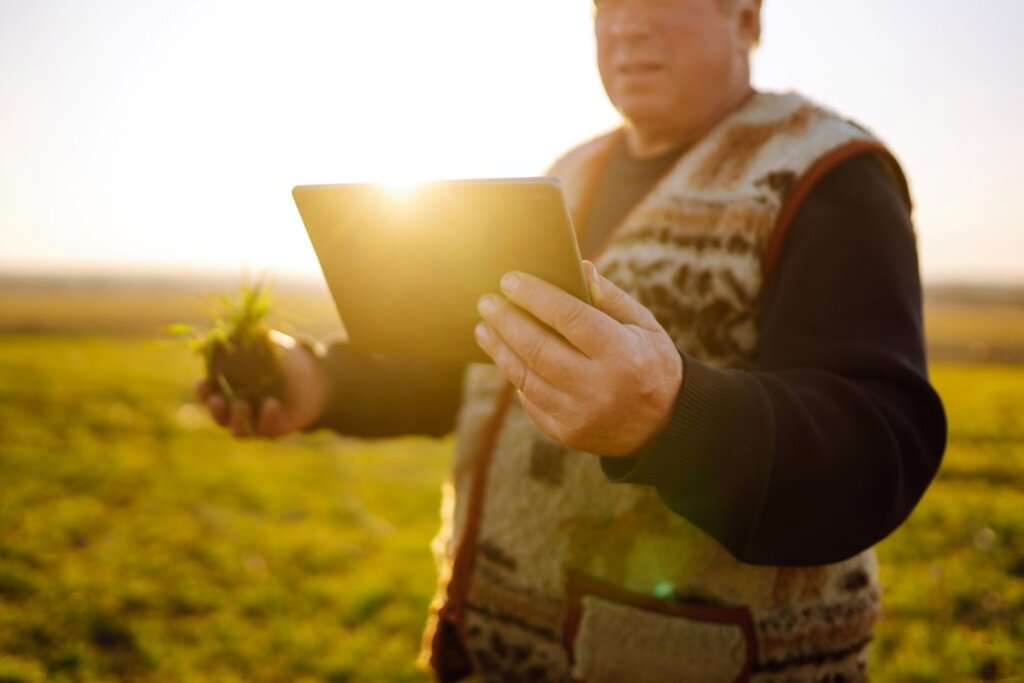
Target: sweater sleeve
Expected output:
[372,396]
[826,446]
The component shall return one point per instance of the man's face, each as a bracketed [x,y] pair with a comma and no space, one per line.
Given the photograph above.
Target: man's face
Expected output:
[668,63]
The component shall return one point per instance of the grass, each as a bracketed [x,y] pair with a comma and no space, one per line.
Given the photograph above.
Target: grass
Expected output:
[954,573]
[138,542]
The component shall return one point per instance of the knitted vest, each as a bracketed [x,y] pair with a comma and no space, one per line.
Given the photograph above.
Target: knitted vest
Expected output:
[548,572]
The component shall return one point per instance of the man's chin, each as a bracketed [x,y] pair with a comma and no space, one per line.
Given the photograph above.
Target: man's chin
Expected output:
[645,115]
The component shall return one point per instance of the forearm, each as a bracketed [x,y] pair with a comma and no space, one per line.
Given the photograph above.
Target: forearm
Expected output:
[793,468]
[385,396]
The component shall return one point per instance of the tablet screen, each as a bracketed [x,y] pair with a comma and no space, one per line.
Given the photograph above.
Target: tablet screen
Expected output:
[406,266]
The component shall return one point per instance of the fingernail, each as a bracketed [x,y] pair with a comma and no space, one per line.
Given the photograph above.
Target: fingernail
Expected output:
[509,282]
[487,305]
[481,332]
[591,273]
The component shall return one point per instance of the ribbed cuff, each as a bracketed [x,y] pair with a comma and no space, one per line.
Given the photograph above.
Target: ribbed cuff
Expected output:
[711,463]
[707,414]
[329,358]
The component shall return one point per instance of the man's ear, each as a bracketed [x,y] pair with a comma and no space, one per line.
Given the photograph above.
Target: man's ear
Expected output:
[748,24]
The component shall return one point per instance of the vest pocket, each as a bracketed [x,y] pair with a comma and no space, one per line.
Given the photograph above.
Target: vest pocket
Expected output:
[614,634]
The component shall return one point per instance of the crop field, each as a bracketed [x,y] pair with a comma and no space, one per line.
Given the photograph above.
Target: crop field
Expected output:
[139,542]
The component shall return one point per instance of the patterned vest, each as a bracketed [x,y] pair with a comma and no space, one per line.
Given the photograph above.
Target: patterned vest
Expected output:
[550,572]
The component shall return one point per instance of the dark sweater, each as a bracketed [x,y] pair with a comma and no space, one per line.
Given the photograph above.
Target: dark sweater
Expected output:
[822,449]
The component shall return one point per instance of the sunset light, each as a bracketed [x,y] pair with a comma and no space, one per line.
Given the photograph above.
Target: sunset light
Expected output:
[170,134]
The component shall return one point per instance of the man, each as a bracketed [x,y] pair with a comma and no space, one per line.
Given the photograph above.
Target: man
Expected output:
[684,481]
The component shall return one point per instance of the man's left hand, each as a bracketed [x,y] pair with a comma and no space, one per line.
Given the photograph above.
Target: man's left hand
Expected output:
[605,380]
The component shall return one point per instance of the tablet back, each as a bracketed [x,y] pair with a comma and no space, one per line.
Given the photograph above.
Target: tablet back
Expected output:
[406,267]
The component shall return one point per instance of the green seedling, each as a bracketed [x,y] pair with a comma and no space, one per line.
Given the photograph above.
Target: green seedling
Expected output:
[240,358]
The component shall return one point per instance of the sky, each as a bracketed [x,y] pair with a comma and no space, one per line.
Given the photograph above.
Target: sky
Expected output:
[167,134]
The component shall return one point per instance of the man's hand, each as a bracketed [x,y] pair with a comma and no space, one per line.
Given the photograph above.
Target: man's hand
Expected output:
[607,385]
[305,393]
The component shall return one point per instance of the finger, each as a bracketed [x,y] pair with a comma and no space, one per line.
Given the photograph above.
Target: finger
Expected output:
[218,408]
[607,296]
[542,419]
[241,419]
[202,389]
[272,418]
[585,327]
[515,370]
[541,349]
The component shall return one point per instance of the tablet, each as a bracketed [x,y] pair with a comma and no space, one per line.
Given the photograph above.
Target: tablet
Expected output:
[406,266]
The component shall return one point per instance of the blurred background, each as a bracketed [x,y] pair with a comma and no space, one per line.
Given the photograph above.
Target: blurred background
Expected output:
[147,153]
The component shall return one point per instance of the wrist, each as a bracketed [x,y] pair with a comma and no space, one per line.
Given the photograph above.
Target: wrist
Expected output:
[313,390]
[663,404]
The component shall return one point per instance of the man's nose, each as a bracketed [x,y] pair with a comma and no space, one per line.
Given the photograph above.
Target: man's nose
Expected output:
[630,23]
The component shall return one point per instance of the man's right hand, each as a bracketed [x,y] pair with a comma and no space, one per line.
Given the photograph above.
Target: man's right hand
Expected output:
[305,395]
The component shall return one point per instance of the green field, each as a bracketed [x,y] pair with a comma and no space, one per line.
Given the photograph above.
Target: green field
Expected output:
[140,543]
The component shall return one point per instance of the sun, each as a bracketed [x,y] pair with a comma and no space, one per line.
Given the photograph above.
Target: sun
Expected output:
[402,189]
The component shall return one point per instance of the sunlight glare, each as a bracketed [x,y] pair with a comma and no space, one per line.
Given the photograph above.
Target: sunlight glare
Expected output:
[401,189]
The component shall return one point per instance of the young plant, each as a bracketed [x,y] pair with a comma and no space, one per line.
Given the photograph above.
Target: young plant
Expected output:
[241,360]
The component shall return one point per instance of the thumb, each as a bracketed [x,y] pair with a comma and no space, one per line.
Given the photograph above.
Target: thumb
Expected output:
[607,297]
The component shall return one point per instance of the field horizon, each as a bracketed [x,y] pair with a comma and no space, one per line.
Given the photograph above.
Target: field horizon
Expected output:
[964,322]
